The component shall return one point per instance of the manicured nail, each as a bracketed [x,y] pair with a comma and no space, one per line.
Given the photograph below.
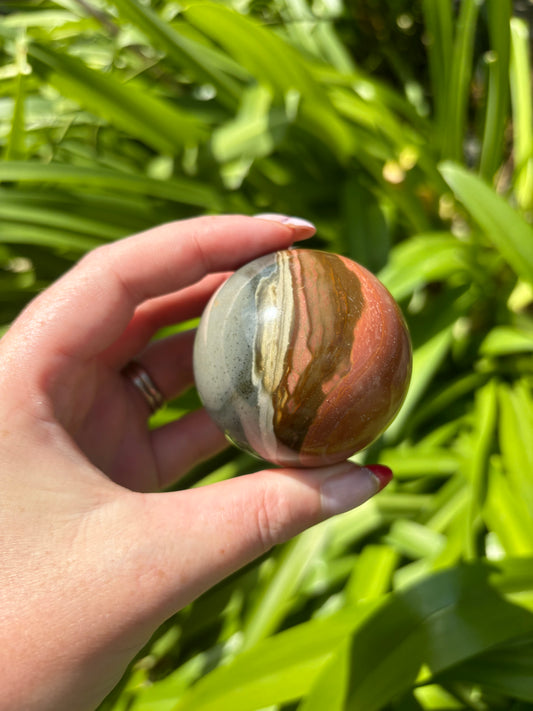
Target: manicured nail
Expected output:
[348,488]
[382,473]
[286,220]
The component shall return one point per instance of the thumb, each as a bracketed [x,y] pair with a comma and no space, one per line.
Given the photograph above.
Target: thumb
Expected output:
[199,536]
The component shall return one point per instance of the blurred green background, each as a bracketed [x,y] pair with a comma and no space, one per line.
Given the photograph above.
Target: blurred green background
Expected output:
[404,130]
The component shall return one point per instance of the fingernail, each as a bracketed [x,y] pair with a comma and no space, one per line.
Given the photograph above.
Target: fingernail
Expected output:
[286,220]
[349,488]
[382,473]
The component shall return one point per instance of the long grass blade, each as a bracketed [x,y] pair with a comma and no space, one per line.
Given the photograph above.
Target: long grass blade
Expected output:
[521,92]
[274,600]
[424,259]
[130,106]
[499,19]
[422,626]
[176,190]
[485,417]
[276,64]
[507,516]
[372,574]
[330,687]
[426,361]
[502,225]
[516,425]
[15,148]
[205,63]
[279,669]
[459,81]
[438,18]
[507,671]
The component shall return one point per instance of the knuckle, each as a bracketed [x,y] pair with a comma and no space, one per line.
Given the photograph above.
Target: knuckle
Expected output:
[94,256]
[274,514]
[94,260]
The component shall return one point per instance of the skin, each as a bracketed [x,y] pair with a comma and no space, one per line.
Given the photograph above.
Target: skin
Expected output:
[92,558]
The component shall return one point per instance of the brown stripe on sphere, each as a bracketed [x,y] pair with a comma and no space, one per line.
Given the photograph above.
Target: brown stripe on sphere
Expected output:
[328,304]
[364,402]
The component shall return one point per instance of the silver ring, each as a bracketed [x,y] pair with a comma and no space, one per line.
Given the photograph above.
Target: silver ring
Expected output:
[139,376]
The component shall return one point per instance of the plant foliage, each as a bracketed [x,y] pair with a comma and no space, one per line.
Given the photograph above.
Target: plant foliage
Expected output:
[404,130]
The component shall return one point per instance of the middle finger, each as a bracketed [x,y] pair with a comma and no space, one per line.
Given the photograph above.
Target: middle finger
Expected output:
[159,313]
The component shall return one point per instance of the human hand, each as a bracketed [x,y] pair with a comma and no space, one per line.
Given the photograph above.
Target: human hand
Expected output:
[92,562]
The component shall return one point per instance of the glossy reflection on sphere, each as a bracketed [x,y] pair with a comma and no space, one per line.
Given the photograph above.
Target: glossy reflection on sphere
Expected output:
[302,357]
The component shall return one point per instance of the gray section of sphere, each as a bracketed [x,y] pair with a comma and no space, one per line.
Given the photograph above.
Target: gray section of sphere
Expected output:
[223,350]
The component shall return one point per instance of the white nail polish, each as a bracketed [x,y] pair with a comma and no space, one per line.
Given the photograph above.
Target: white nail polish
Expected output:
[346,490]
[285,220]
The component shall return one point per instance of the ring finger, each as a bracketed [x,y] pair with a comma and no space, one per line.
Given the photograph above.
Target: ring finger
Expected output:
[168,363]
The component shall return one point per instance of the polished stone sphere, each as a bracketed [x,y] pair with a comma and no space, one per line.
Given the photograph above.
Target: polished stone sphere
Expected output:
[302,357]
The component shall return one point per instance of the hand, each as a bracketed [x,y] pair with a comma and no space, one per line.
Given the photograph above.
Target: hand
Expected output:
[90,562]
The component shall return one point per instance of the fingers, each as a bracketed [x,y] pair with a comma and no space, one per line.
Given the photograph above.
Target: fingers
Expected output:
[205,534]
[169,364]
[181,445]
[158,313]
[83,313]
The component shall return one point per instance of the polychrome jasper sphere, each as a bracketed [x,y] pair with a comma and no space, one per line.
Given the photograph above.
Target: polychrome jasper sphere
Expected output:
[302,357]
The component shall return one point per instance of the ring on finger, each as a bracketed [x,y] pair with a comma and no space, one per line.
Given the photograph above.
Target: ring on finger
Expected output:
[141,379]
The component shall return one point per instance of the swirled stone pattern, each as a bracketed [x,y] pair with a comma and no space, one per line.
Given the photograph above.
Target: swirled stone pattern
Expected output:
[302,357]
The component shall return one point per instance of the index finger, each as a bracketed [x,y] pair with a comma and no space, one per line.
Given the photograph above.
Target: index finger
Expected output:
[89,307]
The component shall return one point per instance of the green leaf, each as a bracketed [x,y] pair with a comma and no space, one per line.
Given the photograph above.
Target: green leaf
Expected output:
[507,671]
[503,227]
[407,462]
[352,527]
[129,106]
[446,396]
[508,517]
[458,89]
[438,17]
[119,212]
[521,77]
[16,233]
[254,132]
[329,690]
[497,59]
[15,148]
[506,340]
[177,190]
[205,63]
[367,237]
[424,259]
[447,505]
[516,426]
[415,540]
[273,601]
[480,451]
[372,574]
[275,64]
[38,18]
[427,359]
[435,697]
[277,670]
[413,629]
[423,627]
[34,214]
